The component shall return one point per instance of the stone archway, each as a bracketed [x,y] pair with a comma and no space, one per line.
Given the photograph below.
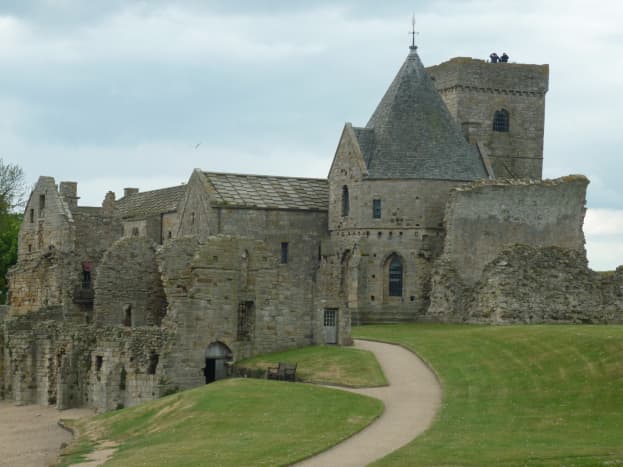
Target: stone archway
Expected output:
[217,355]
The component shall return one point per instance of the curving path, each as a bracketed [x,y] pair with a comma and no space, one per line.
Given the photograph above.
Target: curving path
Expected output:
[411,402]
[30,435]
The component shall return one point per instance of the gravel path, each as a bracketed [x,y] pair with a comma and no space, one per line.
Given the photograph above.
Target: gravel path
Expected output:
[411,402]
[30,436]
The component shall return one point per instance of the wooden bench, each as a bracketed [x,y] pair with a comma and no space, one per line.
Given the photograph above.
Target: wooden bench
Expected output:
[284,372]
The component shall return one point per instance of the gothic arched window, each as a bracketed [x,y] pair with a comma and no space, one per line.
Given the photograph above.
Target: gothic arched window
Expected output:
[345,201]
[501,120]
[394,275]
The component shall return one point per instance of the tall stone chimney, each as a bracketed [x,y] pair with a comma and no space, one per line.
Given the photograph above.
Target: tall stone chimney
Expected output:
[108,205]
[69,192]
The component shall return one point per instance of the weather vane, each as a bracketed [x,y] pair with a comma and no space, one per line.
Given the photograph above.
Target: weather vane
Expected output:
[413,33]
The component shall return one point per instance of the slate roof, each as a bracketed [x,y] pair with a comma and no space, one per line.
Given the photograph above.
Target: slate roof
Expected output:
[411,134]
[267,192]
[150,203]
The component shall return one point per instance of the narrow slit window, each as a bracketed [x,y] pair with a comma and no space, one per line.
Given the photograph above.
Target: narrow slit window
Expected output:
[345,201]
[41,205]
[284,252]
[123,376]
[127,316]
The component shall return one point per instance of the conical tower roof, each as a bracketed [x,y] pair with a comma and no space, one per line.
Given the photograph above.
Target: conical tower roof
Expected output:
[411,134]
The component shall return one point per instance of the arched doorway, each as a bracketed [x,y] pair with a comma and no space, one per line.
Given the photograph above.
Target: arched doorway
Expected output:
[216,357]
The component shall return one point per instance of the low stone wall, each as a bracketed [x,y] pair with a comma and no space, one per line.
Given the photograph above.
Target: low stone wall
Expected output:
[529,285]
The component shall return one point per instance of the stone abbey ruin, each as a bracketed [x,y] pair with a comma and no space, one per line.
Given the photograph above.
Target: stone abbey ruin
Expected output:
[434,211]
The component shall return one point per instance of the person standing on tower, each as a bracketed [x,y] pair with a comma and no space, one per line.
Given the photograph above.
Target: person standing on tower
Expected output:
[494,57]
[504,58]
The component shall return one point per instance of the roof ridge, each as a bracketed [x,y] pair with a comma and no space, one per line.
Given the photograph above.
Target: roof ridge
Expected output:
[265,176]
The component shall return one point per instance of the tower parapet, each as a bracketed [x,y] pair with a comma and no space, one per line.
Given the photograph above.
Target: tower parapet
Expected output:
[501,106]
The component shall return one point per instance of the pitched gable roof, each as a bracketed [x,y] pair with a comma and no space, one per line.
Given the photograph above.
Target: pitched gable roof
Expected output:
[150,203]
[266,192]
[411,134]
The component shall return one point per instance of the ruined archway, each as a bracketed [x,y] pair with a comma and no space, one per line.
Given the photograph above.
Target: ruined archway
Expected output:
[217,357]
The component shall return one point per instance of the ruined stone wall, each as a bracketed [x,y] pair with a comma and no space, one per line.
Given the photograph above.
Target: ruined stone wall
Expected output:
[48,222]
[50,361]
[525,284]
[55,240]
[45,237]
[126,367]
[46,359]
[37,282]
[514,252]
[474,90]
[487,217]
[128,289]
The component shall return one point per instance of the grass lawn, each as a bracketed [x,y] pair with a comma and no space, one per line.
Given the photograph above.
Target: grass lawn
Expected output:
[326,364]
[233,422]
[517,395]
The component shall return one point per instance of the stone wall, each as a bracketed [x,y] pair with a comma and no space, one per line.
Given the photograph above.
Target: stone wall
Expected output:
[526,284]
[128,290]
[487,217]
[206,283]
[56,239]
[51,361]
[360,260]
[474,90]
[514,252]
[126,366]
[47,359]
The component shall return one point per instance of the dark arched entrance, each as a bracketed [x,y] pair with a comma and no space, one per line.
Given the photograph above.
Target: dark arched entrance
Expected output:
[216,357]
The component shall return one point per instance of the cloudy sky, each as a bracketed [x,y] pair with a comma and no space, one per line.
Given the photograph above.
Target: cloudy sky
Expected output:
[138,93]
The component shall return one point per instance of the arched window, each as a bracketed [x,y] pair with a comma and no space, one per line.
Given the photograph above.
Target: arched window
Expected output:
[345,201]
[394,275]
[501,120]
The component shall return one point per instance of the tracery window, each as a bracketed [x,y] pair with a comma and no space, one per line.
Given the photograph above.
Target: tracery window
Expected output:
[501,120]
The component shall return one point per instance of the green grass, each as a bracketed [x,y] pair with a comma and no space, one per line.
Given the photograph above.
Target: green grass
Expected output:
[517,395]
[233,422]
[326,364]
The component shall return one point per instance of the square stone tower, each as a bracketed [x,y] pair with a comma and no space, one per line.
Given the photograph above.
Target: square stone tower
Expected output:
[500,106]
